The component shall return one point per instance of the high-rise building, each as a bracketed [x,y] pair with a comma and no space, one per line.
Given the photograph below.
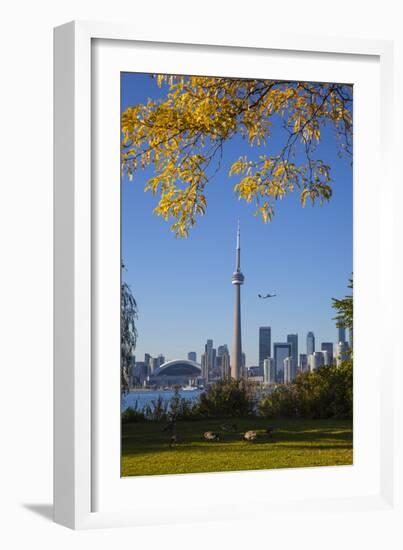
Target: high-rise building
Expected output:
[310,343]
[288,370]
[210,360]
[341,334]
[264,344]
[213,364]
[225,365]
[237,281]
[269,371]
[254,371]
[141,371]
[281,350]
[328,347]
[222,349]
[192,356]
[147,358]
[315,360]
[221,358]
[341,352]
[204,368]
[350,337]
[293,340]
[153,364]
[327,358]
[303,362]
[243,369]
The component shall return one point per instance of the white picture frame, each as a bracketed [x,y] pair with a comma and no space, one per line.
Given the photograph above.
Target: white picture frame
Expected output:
[88,491]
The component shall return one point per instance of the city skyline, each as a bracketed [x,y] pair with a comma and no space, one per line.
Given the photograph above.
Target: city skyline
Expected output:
[280,364]
[212,347]
[182,285]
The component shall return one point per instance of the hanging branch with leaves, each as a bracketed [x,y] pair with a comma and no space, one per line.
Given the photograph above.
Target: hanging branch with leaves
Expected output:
[128,334]
[182,136]
[344,308]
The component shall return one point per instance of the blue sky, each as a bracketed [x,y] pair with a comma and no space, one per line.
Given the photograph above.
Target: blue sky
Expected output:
[183,286]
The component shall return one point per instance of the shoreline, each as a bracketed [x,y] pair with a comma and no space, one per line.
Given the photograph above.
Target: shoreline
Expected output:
[149,390]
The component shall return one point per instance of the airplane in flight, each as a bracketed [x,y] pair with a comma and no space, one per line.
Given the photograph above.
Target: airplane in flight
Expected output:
[267,296]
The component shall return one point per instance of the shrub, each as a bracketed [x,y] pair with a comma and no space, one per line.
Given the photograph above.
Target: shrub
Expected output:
[282,401]
[157,410]
[181,408]
[325,393]
[133,414]
[226,398]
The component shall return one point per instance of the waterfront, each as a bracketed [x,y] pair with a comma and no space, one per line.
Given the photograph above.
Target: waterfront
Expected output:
[142,398]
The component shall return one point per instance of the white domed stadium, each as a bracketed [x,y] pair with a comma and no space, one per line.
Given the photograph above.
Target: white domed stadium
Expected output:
[176,372]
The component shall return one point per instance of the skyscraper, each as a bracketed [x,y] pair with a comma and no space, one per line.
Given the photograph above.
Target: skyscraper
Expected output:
[220,360]
[269,373]
[213,362]
[225,365]
[264,344]
[280,352]
[310,343]
[341,352]
[293,340]
[287,368]
[222,349]
[303,362]
[153,364]
[237,281]
[328,347]
[327,358]
[210,359]
[192,356]
[341,334]
[315,360]
[204,371]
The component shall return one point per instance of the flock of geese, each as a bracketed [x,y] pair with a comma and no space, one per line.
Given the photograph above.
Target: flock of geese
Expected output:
[250,435]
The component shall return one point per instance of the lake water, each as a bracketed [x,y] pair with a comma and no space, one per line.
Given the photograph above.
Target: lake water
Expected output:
[145,397]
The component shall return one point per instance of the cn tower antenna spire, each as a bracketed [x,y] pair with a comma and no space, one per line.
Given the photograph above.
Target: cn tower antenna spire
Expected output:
[238,248]
[237,281]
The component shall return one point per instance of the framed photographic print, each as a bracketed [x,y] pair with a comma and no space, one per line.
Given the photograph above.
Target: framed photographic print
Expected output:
[218,231]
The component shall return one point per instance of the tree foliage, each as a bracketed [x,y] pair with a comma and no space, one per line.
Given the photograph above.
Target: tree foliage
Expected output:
[182,136]
[226,398]
[344,308]
[128,333]
[326,392]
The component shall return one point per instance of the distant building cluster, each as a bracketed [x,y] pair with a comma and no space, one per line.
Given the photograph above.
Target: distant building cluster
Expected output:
[282,366]
[279,363]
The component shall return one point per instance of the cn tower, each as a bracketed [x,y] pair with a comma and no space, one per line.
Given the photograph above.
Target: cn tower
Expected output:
[237,281]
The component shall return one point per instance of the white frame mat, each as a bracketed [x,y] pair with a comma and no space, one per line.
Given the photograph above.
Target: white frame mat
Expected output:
[88,490]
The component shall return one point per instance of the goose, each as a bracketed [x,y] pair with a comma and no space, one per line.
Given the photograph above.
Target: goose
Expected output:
[211,436]
[250,435]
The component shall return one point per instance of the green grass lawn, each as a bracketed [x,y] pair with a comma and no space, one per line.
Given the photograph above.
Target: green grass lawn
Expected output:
[296,443]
